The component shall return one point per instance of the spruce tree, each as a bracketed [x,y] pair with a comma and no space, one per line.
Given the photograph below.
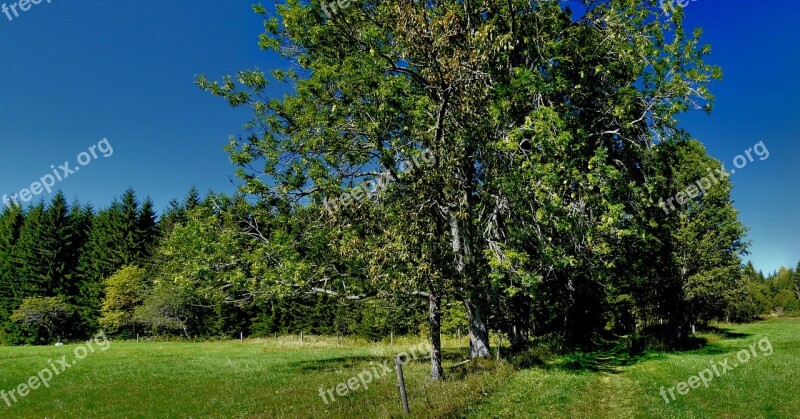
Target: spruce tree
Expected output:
[147,231]
[98,260]
[57,249]
[11,220]
[31,260]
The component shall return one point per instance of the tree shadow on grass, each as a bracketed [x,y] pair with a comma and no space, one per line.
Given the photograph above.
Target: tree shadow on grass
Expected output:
[449,355]
[607,356]
[328,364]
[726,333]
[611,355]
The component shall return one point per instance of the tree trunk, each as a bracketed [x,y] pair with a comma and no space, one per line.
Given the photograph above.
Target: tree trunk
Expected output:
[521,310]
[435,311]
[475,300]
[478,331]
[185,331]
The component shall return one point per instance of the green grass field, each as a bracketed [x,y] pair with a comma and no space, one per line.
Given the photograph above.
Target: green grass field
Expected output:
[265,378]
[763,387]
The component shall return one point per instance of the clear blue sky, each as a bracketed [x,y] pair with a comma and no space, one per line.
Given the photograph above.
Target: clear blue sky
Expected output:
[73,73]
[757,44]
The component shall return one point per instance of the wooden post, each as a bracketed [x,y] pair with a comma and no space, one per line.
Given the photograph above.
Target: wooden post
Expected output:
[276,336]
[401,384]
[241,337]
[137,338]
[301,338]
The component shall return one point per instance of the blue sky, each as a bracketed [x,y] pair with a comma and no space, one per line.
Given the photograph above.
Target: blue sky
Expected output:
[73,73]
[757,44]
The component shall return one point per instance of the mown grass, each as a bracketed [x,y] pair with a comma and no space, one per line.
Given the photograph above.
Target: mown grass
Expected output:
[257,378]
[764,387]
[268,378]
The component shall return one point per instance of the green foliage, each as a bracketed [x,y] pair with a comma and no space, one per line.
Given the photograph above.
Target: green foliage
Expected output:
[122,234]
[45,318]
[454,319]
[67,251]
[167,310]
[124,291]
[552,133]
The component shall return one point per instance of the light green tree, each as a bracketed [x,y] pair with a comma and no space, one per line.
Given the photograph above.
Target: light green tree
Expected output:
[124,292]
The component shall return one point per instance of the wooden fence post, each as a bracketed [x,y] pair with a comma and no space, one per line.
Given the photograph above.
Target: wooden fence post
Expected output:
[401,384]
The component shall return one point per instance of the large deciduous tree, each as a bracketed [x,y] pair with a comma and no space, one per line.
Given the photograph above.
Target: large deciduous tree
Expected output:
[540,120]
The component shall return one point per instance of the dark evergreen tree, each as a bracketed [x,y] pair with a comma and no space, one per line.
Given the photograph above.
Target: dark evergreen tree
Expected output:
[57,246]
[11,220]
[31,259]
[146,230]
[122,234]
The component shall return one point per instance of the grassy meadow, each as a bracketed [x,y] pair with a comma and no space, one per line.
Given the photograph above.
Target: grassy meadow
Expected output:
[763,387]
[269,378]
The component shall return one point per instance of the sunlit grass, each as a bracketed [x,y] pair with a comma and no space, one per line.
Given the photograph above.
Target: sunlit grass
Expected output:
[268,378]
[257,378]
[765,386]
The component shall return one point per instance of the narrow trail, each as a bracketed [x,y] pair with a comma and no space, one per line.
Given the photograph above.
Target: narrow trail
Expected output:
[608,395]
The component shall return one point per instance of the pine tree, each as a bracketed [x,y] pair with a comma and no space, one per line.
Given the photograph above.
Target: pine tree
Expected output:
[147,232]
[57,247]
[192,199]
[129,247]
[99,259]
[173,215]
[11,220]
[122,234]
[31,260]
